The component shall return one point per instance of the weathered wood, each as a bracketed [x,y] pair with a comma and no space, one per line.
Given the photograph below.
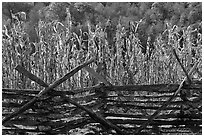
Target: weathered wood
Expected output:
[168,101]
[97,117]
[75,110]
[59,126]
[93,115]
[16,130]
[27,114]
[162,116]
[118,88]
[11,105]
[156,122]
[68,123]
[158,88]
[73,124]
[125,115]
[52,86]
[142,97]
[146,102]
[30,91]
[23,122]
[164,130]
[20,91]
[141,107]
[17,96]
[170,127]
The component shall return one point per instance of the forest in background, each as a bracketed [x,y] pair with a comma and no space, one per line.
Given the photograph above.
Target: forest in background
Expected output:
[132,40]
[153,15]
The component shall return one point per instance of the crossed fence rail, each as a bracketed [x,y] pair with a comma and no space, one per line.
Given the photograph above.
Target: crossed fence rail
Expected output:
[131,109]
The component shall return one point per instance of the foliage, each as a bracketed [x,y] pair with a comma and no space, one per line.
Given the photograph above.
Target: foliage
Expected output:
[58,50]
[60,44]
[154,15]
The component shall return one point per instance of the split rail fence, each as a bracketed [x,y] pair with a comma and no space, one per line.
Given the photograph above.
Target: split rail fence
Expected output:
[132,109]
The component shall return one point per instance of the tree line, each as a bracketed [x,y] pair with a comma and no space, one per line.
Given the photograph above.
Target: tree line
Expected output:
[153,16]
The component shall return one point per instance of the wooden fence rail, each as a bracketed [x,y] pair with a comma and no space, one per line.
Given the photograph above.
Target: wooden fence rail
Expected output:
[131,109]
[51,115]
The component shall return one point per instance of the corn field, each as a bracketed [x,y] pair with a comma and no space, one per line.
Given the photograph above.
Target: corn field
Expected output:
[56,54]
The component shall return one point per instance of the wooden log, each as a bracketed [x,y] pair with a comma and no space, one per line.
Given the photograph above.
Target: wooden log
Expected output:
[23,121]
[73,109]
[124,115]
[52,86]
[93,115]
[142,97]
[159,88]
[81,90]
[162,127]
[17,96]
[97,117]
[27,114]
[31,92]
[76,110]
[192,86]
[163,116]
[142,107]
[146,102]
[20,91]
[156,122]
[70,125]
[162,130]
[11,105]
[59,123]
[20,131]
[168,101]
